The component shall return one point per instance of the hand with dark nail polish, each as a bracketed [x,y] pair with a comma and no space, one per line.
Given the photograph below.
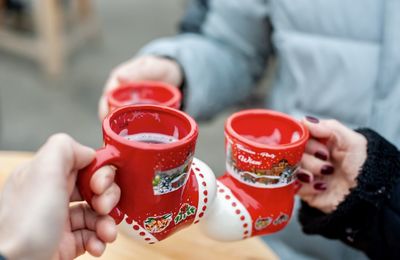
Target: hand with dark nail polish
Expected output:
[303,177]
[321,155]
[334,156]
[327,170]
[312,119]
[320,186]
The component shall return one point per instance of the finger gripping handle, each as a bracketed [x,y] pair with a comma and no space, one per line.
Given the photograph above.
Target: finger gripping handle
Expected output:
[104,156]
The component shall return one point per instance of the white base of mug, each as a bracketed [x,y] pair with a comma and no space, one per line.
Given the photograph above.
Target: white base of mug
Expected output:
[228,219]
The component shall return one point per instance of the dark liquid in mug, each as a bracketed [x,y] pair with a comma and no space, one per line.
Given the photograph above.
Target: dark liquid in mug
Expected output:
[151,138]
[152,142]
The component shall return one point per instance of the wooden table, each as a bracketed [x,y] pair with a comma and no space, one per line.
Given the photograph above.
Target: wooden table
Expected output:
[52,42]
[186,244]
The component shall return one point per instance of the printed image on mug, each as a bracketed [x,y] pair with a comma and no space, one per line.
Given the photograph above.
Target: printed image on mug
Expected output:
[144,92]
[278,174]
[257,169]
[256,194]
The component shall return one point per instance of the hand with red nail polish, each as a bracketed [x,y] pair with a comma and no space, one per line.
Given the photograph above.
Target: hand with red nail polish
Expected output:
[331,163]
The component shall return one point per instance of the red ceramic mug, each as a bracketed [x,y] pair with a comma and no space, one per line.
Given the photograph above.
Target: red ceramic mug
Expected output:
[162,190]
[256,194]
[144,92]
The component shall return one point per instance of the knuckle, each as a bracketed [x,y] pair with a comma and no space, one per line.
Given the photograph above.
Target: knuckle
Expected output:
[116,190]
[105,172]
[332,122]
[61,144]
[146,60]
[60,138]
[150,63]
[142,63]
[118,69]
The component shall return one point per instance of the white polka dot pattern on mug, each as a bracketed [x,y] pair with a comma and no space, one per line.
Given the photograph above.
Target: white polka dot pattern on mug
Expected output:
[139,233]
[204,184]
[236,209]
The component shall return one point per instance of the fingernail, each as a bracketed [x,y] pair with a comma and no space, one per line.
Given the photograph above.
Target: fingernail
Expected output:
[303,177]
[327,170]
[320,186]
[312,119]
[321,155]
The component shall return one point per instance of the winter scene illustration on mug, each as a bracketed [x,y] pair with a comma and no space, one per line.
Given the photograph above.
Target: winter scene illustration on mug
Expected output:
[173,179]
[280,174]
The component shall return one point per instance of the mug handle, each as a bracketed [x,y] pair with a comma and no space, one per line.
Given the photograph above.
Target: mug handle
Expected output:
[107,155]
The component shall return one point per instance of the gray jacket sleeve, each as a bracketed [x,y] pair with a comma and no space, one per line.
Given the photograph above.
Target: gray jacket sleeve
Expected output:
[222,55]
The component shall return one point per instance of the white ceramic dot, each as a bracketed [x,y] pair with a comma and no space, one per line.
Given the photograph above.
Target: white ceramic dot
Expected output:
[139,233]
[208,177]
[224,221]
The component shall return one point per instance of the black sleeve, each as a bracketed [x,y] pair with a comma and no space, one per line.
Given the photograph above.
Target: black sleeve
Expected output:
[369,217]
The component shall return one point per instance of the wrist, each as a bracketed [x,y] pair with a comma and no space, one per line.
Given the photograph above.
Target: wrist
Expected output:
[379,172]
[10,248]
[376,179]
[180,79]
[12,242]
[175,75]
[359,157]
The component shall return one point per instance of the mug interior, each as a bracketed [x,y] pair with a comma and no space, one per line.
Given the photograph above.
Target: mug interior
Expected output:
[264,127]
[151,124]
[141,93]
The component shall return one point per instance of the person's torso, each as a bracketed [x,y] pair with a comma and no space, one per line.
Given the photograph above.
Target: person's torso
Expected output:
[329,57]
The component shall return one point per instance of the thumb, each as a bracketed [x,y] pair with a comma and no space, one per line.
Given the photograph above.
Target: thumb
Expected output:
[63,151]
[83,155]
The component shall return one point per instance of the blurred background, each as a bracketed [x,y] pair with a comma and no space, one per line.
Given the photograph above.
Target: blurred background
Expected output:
[55,57]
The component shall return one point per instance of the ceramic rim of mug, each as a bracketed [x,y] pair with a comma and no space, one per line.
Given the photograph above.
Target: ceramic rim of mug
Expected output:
[114,102]
[229,131]
[193,133]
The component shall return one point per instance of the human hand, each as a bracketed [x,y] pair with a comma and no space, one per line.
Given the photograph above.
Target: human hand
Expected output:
[151,68]
[37,220]
[331,163]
